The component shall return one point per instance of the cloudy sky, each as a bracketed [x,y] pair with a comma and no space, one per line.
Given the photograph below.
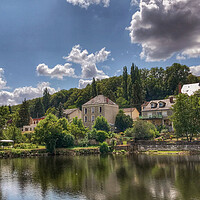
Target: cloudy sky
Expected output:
[62,44]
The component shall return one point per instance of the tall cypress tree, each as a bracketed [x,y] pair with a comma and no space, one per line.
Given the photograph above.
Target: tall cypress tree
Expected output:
[38,109]
[60,110]
[94,88]
[24,114]
[125,83]
[46,99]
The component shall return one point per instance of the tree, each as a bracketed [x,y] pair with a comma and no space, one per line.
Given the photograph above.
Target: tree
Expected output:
[122,121]
[186,116]
[125,83]
[38,109]
[4,116]
[60,110]
[46,99]
[51,110]
[48,131]
[94,88]
[24,114]
[104,148]
[12,133]
[101,136]
[101,124]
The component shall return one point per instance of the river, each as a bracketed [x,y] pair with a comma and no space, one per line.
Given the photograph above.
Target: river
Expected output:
[135,177]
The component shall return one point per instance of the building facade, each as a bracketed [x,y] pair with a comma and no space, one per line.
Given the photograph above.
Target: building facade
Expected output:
[158,112]
[71,113]
[99,106]
[132,112]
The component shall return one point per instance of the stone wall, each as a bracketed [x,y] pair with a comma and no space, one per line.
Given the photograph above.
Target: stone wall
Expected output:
[166,146]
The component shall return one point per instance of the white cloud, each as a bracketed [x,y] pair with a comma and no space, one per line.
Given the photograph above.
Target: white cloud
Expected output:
[59,71]
[3,82]
[83,83]
[134,2]
[86,3]
[195,70]
[18,95]
[88,61]
[165,27]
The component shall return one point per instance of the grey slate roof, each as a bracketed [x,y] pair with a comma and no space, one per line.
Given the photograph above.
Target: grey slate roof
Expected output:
[69,111]
[100,99]
[168,105]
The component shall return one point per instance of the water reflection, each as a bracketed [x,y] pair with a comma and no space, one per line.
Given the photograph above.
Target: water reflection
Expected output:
[135,177]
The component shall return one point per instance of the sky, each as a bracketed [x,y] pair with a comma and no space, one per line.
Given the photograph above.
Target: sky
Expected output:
[63,44]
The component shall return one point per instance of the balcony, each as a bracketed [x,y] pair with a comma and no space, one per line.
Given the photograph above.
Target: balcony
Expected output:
[151,117]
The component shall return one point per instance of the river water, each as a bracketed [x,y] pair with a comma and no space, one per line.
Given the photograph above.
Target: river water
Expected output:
[136,177]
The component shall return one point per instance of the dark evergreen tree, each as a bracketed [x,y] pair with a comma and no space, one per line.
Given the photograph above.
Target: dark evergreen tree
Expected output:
[38,109]
[24,114]
[46,99]
[94,88]
[125,83]
[60,110]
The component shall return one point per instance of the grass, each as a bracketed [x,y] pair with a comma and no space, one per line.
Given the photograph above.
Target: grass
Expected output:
[166,152]
[78,148]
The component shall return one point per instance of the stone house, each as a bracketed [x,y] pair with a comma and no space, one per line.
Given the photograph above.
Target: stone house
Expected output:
[132,112]
[158,112]
[99,106]
[71,113]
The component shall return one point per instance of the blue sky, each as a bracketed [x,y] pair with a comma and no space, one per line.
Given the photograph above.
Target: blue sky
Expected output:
[62,44]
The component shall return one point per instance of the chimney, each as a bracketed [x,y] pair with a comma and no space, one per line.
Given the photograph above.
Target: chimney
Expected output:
[106,100]
[179,88]
[171,99]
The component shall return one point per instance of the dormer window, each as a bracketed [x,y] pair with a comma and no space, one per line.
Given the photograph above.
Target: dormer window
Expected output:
[161,104]
[153,105]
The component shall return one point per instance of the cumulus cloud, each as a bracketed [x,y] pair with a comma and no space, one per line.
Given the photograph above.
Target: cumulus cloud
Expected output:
[195,70]
[88,61]
[165,27]
[83,83]
[3,82]
[86,3]
[18,95]
[59,71]
[134,2]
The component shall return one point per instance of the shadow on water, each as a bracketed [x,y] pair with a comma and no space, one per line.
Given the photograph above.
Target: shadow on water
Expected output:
[101,177]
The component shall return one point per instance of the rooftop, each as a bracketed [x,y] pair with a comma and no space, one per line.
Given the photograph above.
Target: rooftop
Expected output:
[69,111]
[100,99]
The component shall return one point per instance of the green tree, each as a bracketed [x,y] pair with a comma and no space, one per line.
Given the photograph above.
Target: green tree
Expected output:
[104,148]
[46,99]
[101,124]
[94,88]
[51,110]
[143,130]
[4,116]
[186,116]
[12,133]
[38,109]
[60,110]
[24,114]
[125,83]
[101,136]
[122,121]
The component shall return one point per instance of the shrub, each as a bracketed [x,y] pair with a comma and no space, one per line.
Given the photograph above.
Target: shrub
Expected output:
[101,124]
[68,140]
[83,142]
[92,134]
[104,148]
[101,136]
[129,132]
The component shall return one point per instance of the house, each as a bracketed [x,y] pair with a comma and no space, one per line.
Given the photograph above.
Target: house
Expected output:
[158,112]
[99,106]
[190,89]
[71,113]
[32,124]
[132,112]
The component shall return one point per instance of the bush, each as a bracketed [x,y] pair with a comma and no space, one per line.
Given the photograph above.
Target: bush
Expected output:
[92,134]
[68,140]
[104,148]
[129,132]
[143,130]
[83,142]
[101,136]
[101,124]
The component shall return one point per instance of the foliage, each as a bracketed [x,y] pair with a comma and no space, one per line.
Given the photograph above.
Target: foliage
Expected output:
[104,148]
[38,110]
[92,134]
[60,110]
[4,116]
[101,136]
[122,121]
[143,130]
[12,133]
[68,140]
[94,88]
[125,83]
[186,116]
[129,132]
[24,114]
[51,110]
[46,99]
[101,124]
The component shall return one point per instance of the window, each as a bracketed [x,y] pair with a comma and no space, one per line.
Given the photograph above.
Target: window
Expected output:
[100,109]
[92,110]
[153,105]
[92,118]
[85,110]
[85,119]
